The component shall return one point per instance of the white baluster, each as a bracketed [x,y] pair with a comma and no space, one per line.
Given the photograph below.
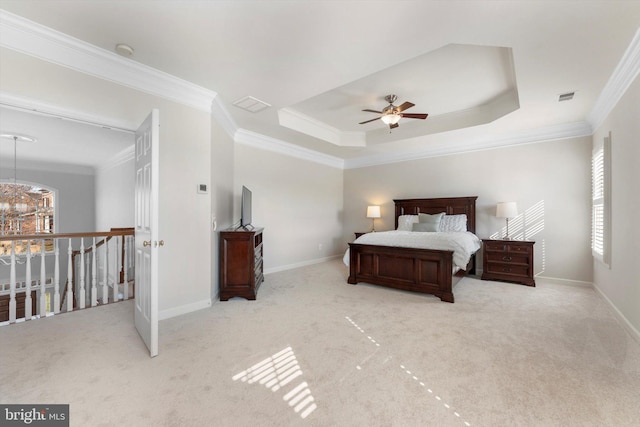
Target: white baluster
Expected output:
[125,267]
[94,289]
[105,274]
[56,279]
[27,296]
[83,296]
[12,284]
[43,282]
[116,274]
[70,278]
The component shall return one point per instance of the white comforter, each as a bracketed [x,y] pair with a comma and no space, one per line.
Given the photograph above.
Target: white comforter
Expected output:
[463,244]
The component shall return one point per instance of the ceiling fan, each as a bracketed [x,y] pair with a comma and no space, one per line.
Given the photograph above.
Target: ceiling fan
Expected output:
[391,114]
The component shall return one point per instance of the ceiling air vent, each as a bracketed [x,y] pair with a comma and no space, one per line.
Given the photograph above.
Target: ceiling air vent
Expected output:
[566,96]
[251,104]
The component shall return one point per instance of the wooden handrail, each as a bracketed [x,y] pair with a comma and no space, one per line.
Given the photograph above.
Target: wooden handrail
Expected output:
[115,232]
[46,236]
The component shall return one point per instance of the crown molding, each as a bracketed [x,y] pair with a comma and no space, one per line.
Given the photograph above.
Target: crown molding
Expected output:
[222,116]
[481,143]
[38,165]
[33,39]
[624,74]
[36,106]
[263,142]
[36,40]
[297,121]
[124,156]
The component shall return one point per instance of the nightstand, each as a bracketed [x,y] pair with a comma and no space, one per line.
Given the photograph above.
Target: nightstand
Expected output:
[358,233]
[508,260]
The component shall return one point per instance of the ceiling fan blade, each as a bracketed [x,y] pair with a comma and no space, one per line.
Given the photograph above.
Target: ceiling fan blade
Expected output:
[393,126]
[414,116]
[372,120]
[373,111]
[405,106]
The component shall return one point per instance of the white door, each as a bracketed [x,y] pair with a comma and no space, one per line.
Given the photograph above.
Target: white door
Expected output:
[146,238]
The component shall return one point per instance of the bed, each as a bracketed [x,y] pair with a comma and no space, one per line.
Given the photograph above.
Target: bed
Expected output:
[429,271]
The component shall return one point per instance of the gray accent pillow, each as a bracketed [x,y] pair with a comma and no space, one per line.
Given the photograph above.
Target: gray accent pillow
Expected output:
[426,226]
[430,218]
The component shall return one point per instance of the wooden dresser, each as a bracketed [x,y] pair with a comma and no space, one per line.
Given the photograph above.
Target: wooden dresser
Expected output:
[508,260]
[241,270]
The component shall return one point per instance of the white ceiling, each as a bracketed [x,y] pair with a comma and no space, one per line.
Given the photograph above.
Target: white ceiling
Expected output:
[488,68]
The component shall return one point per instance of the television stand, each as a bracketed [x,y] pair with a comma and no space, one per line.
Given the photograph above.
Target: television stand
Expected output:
[241,268]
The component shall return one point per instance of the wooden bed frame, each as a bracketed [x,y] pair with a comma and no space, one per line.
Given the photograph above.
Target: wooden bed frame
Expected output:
[421,270]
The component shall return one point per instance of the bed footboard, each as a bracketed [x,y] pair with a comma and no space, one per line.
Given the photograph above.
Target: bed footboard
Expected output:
[418,270]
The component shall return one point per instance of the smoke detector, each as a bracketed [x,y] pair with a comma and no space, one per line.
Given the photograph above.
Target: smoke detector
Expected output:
[124,50]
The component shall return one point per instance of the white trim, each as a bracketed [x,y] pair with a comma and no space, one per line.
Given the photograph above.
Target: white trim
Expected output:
[620,80]
[565,282]
[124,156]
[297,121]
[222,116]
[467,145]
[619,316]
[37,165]
[36,40]
[300,264]
[35,106]
[33,39]
[256,140]
[184,309]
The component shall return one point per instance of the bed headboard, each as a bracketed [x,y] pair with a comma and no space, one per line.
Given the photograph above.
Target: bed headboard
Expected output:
[449,205]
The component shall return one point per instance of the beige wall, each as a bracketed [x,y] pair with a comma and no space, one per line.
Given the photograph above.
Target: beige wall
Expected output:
[115,195]
[222,163]
[298,202]
[550,181]
[620,283]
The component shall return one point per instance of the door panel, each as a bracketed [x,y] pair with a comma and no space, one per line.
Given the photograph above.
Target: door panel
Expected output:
[146,231]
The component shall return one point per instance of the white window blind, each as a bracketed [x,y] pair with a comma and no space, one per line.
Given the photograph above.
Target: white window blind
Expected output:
[600,233]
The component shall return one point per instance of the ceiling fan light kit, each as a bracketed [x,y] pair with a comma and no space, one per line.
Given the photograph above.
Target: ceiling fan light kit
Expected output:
[391,118]
[391,114]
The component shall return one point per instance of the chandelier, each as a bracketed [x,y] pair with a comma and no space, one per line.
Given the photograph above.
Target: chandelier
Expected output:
[22,204]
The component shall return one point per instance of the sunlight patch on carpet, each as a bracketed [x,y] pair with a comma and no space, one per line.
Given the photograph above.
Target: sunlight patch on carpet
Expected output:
[277,371]
[411,375]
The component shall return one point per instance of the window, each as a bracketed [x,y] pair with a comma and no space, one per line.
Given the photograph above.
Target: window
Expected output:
[26,209]
[601,194]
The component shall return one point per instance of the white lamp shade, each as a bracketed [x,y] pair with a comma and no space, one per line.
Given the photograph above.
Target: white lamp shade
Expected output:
[373,211]
[507,210]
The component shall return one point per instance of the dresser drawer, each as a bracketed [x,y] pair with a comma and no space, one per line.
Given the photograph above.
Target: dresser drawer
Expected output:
[508,257]
[519,248]
[495,246]
[500,268]
[507,247]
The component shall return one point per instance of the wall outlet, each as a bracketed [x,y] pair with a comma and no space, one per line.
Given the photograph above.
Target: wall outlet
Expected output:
[319,246]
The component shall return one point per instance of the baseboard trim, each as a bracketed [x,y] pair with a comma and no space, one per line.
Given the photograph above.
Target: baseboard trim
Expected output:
[183,309]
[566,282]
[300,264]
[635,334]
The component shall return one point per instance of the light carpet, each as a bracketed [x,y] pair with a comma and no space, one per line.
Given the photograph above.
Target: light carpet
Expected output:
[313,350]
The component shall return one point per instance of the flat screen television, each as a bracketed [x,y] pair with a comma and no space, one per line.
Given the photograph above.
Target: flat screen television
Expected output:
[245,208]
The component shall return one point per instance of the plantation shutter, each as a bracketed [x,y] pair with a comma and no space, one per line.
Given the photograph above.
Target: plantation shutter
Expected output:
[600,204]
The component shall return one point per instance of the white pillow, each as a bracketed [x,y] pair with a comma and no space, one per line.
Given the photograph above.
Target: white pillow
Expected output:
[453,223]
[405,222]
